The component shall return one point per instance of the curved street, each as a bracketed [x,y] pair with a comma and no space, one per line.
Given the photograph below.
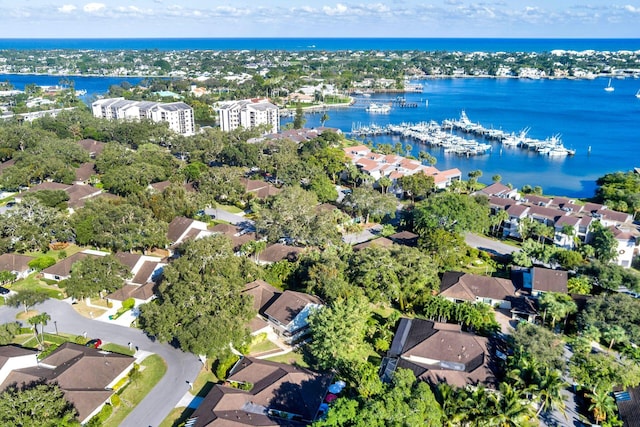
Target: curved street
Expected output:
[181,367]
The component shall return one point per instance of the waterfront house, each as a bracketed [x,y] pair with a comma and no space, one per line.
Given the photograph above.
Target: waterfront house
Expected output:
[440,353]
[627,237]
[500,190]
[263,393]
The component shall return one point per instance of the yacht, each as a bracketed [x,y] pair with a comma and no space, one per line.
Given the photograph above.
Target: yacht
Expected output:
[609,88]
[378,108]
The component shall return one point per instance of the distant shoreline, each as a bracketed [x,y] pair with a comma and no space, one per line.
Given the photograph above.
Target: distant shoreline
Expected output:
[429,77]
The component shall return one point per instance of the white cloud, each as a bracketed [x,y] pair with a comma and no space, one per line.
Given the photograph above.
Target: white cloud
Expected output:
[632,9]
[340,9]
[94,7]
[67,8]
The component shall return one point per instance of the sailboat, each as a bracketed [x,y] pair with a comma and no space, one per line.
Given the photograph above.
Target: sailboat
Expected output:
[638,94]
[609,88]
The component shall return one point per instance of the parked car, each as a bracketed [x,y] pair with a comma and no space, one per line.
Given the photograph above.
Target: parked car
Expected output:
[96,343]
[4,291]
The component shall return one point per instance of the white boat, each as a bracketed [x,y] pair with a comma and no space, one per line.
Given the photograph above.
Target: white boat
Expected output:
[609,88]
[638,94]
[378,108]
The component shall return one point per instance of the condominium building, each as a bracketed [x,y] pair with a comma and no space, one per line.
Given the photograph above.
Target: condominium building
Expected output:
[178,115]
[249,114]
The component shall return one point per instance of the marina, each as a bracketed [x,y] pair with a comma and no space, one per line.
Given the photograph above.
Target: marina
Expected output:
[446,135]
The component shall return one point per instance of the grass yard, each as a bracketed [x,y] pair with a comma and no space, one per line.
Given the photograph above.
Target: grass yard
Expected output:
[230,208]
[177,417]
[152,370]
[89,312]
[262,347]
[69,250]
[117,348]
[294,358]
[26,315]
[34,283]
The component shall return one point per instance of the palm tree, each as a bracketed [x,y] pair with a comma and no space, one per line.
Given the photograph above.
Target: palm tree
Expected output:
[510,408]
[550,390]
[324,118]
[385,182]
[602,404]
[497,220]
[615,334]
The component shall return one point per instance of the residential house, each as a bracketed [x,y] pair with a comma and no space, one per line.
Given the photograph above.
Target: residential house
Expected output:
[439,352]
[628,402]
[182,229]
[465,287]
[500,190]
[62,269]
[85,375]
[285,312]
[278,252]
[93,147]
[381,242]
[238,235]
[145,271]
[405,238]
[394,167]
[14,357]
[260,189]
[78,193]
[277,395]
[538,280]
[84,172]
[627,237]
[16,264]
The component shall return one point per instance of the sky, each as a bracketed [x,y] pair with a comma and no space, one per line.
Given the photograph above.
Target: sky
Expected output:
[319,18]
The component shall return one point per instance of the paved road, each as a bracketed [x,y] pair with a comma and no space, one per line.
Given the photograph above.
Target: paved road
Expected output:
[181,366]
[492,246]
[362,236]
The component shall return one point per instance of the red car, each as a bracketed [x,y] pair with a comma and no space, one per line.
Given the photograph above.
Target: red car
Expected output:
[94,343]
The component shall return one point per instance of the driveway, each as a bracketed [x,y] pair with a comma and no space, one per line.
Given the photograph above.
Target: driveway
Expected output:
[235,219]
[181,367]
[363,236]
[494,247]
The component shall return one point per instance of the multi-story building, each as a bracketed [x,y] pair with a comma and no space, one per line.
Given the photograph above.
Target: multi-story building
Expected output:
[178,115]
[249,114]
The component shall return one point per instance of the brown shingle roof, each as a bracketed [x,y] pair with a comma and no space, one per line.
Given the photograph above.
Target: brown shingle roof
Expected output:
[382,242]
[85,171]
[547,280]
[177,227]
[14,262]
[278,252]
[144,274]
[263,294]
[288,305]
[9,351]
[128,259]
[276,386]
[91,146]
[465,286]
[63,268]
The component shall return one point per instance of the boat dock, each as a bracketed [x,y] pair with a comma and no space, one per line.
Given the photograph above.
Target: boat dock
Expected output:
[442,135]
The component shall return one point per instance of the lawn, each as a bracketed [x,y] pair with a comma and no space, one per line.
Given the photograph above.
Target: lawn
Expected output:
[87,311]
[294,358]
[152,370]
[69,250]
[117,348]
[177,417]
[230,208]
[262,347]
[32,282]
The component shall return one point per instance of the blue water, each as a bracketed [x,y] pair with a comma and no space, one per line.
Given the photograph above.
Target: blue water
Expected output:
[329,44]
[579,110]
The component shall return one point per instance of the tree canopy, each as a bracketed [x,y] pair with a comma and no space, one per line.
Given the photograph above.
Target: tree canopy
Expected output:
[93,275]
[36,405]
[200,304]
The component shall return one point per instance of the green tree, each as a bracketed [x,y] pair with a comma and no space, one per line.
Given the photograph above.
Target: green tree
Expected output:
[200,304]
[299,119]
[36,405]
[367,202]
[26,298]
[539,343]
[93,275]
[417,186]
[603,242]
[451,212]
[338,333]
[557,306]
[579,285]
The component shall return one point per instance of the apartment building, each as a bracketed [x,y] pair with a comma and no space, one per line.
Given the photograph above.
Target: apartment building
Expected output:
[249,114]
[178,115]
